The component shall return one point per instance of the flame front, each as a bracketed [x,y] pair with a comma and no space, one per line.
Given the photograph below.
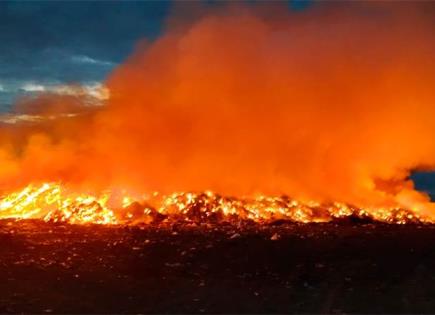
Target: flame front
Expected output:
[52,202]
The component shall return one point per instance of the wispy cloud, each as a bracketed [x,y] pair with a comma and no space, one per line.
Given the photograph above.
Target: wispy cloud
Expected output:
[13,118]
[32,87]
[88,60]
[95,89]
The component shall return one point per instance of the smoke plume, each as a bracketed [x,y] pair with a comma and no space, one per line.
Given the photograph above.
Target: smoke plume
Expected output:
[332,103]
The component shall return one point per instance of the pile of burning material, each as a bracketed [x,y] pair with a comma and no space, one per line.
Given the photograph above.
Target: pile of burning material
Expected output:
[51,202]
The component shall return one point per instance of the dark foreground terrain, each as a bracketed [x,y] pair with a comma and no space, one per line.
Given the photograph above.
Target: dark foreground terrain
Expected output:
[287,268]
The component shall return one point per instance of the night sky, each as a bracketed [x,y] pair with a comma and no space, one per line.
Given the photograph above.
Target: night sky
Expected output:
[49,43]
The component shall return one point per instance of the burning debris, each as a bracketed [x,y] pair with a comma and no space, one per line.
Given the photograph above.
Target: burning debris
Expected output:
[52,202]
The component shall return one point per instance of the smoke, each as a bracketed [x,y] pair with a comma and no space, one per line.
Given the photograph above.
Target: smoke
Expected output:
[333,103]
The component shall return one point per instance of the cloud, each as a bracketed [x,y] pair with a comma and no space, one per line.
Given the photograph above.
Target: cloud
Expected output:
[88,60]
[95,89]
[31,87]
[25,118]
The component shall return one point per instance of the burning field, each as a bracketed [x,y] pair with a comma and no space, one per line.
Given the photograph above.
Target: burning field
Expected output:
[245,101]
[250,159]
[232,114]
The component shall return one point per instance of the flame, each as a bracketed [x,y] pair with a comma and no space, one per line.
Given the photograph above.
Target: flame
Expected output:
[52,202]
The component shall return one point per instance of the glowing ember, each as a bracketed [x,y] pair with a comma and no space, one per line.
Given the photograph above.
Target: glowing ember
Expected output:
[52,202]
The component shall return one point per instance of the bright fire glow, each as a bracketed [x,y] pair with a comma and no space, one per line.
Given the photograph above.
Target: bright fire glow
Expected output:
[52,202]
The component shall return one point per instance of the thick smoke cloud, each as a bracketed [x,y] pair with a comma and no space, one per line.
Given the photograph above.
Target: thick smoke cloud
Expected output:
[332,104]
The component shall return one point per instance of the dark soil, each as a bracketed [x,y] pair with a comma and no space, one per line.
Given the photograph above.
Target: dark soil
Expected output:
[347,267]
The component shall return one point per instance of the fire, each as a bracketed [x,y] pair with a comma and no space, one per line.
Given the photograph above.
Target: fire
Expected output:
[49,202]
[52,202]
[333,106]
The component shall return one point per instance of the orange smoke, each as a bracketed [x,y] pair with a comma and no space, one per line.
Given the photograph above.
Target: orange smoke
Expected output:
[334,103]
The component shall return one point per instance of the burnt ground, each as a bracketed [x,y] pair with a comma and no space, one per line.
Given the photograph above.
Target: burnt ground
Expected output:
[287,268]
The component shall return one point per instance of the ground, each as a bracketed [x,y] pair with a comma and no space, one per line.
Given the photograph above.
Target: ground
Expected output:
[343,267]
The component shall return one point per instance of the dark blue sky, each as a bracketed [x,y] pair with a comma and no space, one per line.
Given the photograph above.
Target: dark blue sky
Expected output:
[45,43]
